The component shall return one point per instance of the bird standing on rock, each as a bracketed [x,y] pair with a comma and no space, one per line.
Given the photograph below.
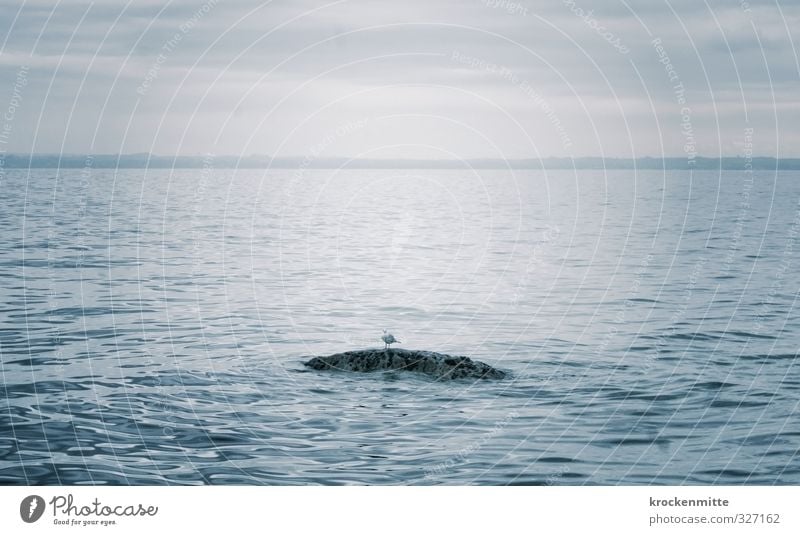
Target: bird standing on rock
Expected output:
[389,339]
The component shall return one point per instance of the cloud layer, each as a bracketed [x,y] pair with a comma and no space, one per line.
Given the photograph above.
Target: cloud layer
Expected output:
[447,79]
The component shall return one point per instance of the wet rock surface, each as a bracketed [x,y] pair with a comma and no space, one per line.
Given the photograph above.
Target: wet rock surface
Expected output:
[437,365]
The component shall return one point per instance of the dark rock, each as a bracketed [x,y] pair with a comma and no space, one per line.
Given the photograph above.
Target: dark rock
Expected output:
[434,364]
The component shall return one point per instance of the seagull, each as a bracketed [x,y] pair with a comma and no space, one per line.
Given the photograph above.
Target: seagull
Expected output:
[389,339]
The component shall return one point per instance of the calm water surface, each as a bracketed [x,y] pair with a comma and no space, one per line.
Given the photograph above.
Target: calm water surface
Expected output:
[153,324]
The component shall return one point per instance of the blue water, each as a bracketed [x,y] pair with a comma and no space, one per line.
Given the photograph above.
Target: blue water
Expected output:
[153,324]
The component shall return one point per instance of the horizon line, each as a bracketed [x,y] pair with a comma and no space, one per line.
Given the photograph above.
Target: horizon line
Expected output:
[142,160]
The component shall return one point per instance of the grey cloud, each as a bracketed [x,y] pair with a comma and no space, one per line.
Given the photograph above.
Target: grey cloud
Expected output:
[219,67]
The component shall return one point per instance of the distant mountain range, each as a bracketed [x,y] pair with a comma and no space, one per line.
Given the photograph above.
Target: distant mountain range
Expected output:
[152,161]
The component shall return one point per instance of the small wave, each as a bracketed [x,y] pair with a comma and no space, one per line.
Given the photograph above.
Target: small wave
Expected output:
[633,441]
[712,385]
[725,403]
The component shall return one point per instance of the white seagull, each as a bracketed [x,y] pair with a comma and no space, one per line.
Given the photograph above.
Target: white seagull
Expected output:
[389,339]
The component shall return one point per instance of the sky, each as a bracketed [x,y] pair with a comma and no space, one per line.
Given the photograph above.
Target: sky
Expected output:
[450,79]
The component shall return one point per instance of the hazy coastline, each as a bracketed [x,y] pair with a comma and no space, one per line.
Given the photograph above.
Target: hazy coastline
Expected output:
[153,161]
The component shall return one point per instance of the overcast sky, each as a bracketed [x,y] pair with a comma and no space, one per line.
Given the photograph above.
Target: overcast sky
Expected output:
[412,78]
